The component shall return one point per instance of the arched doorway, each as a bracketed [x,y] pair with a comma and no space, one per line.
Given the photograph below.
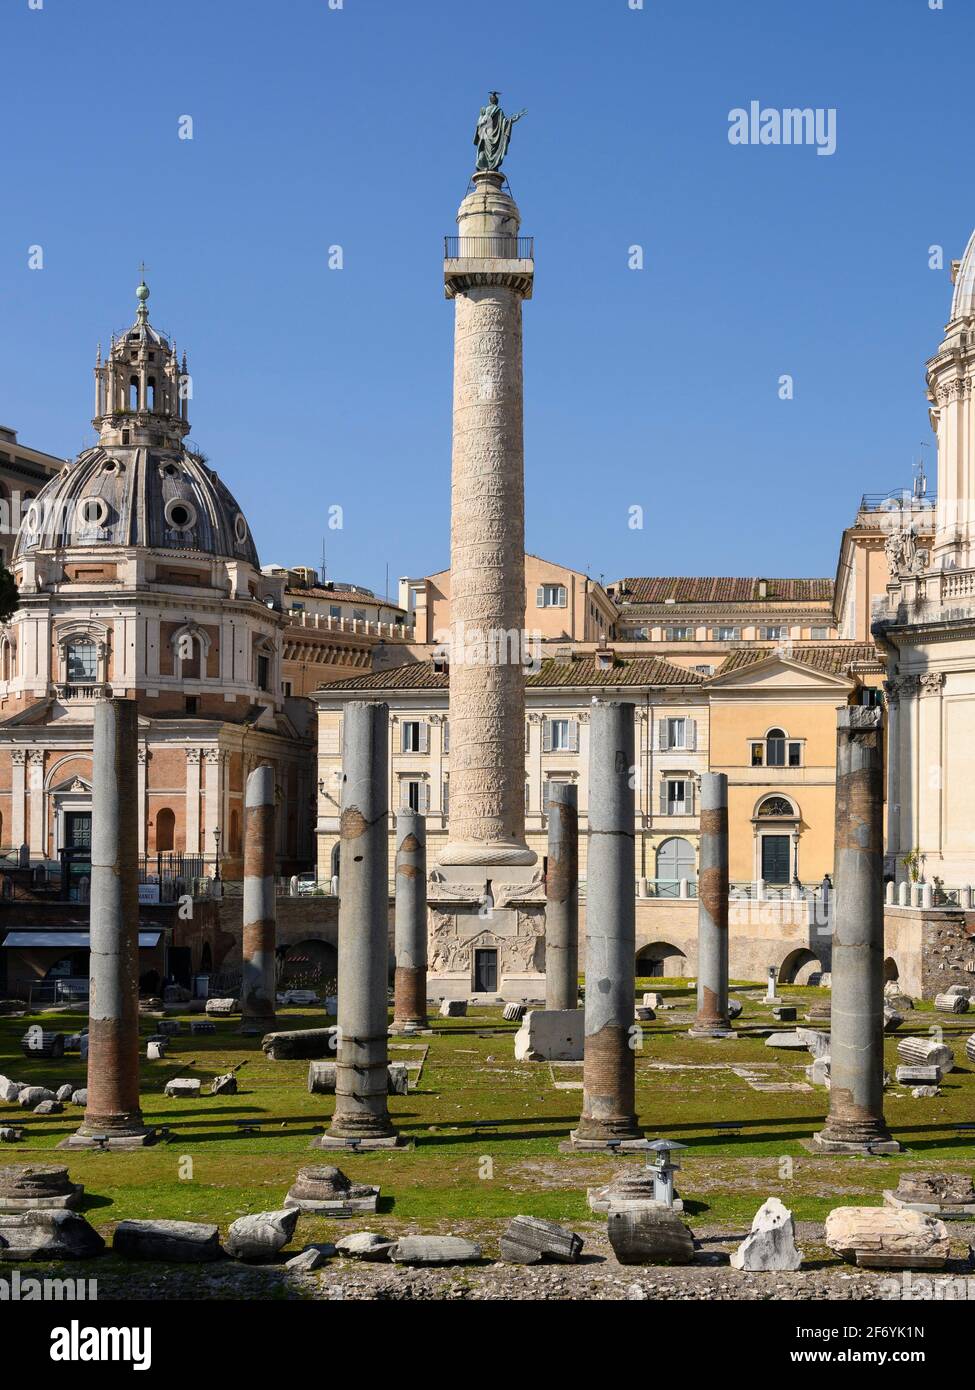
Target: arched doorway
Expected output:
[661,958]
[165,829]
[801,967]
[309,965]
[675,861]
[776,828]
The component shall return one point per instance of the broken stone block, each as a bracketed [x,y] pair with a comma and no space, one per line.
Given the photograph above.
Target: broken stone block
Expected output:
[155,1051]
[551,1035]
[950,1196]
[9,1135]
[970,1048]
[453,1008]
[818,1071]
[633,1186]
[169,1027]
[649,1234]
[652,1000]
[884,1238]
[312,1257]
[434,1250]
[33,1095]
[262,1235]
[10,1090]
[225,1085]
[513,1013]
[202,1025]
[63,1093]
[183,1086]
[926,1052]
[321,1078]
[47,1235]
[223,1007]
[365,1245]
[187,1242]
[785,1013]
[528,1240]
[951,1003]
[788,1041]
[48,1107]
[300,1045]
[815,1040]
[38,1043]
[925,1092]
[644,1014]
[735,1007]
[918,1076]
[892,1020]
[772,1241]
[80,1097]
[325,1189]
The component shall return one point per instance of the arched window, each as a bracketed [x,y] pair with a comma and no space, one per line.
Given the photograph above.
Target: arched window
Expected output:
[134,393]
[675,861]
[778,807]
[151,393]
[81,660]
[775,748]
[165,829]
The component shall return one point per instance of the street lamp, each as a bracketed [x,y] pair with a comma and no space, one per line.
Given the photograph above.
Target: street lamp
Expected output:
[216,837]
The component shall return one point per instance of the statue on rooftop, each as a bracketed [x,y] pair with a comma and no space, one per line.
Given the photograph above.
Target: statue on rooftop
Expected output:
[493,133]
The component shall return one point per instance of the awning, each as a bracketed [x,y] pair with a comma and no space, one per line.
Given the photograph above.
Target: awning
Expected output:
[59,939]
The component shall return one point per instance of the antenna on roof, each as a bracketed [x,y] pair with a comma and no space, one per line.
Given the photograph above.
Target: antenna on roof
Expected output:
[324,565]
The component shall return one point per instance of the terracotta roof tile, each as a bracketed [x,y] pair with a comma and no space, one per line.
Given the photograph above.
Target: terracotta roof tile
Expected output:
[835,658]
[715,589]
[420,675]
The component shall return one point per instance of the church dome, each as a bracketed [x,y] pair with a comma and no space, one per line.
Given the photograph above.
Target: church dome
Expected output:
[963,299]
[160,499]
[141,485]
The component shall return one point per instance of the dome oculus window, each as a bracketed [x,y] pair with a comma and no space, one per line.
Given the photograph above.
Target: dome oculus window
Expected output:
[180,514]
[240,528]
[92,511]
[33,518]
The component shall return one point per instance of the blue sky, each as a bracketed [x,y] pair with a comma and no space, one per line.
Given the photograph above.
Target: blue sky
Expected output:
[316,126]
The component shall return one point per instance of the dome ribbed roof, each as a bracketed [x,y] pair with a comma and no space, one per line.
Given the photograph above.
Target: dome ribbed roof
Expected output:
[160,499]
[963,299]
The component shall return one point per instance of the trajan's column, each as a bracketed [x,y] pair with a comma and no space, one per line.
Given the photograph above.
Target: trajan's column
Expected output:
[486,893]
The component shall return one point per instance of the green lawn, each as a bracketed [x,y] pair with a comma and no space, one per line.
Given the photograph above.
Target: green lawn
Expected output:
[486,1130]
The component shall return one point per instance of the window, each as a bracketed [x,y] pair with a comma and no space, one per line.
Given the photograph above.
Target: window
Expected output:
[794,755]
[777,807]
[81,660]
[445,796]
[264,672]
[180,514]
[413,738]
[679,732]
[546,785]
[676,796]
[560,736]
[445,736]
[727,634]
[551,596]
[287,689]
[192,704]
[335,610]
[775,748]
[679,633]
[819,634]
[134,393]
[359,615]
[771,633]
[414,795]
[758,754]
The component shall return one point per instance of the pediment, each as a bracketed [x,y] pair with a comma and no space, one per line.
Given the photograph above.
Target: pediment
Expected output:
[780,673]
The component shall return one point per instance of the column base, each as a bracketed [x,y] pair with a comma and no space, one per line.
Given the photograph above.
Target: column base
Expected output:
[824,1142]
[607,1144]
[110,1140]
[333,1141]
[483,854]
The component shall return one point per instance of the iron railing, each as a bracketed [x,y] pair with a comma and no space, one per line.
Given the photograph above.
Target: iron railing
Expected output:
[900,500]
[489,248]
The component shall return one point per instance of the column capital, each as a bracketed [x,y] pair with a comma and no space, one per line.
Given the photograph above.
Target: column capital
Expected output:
[932,682]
